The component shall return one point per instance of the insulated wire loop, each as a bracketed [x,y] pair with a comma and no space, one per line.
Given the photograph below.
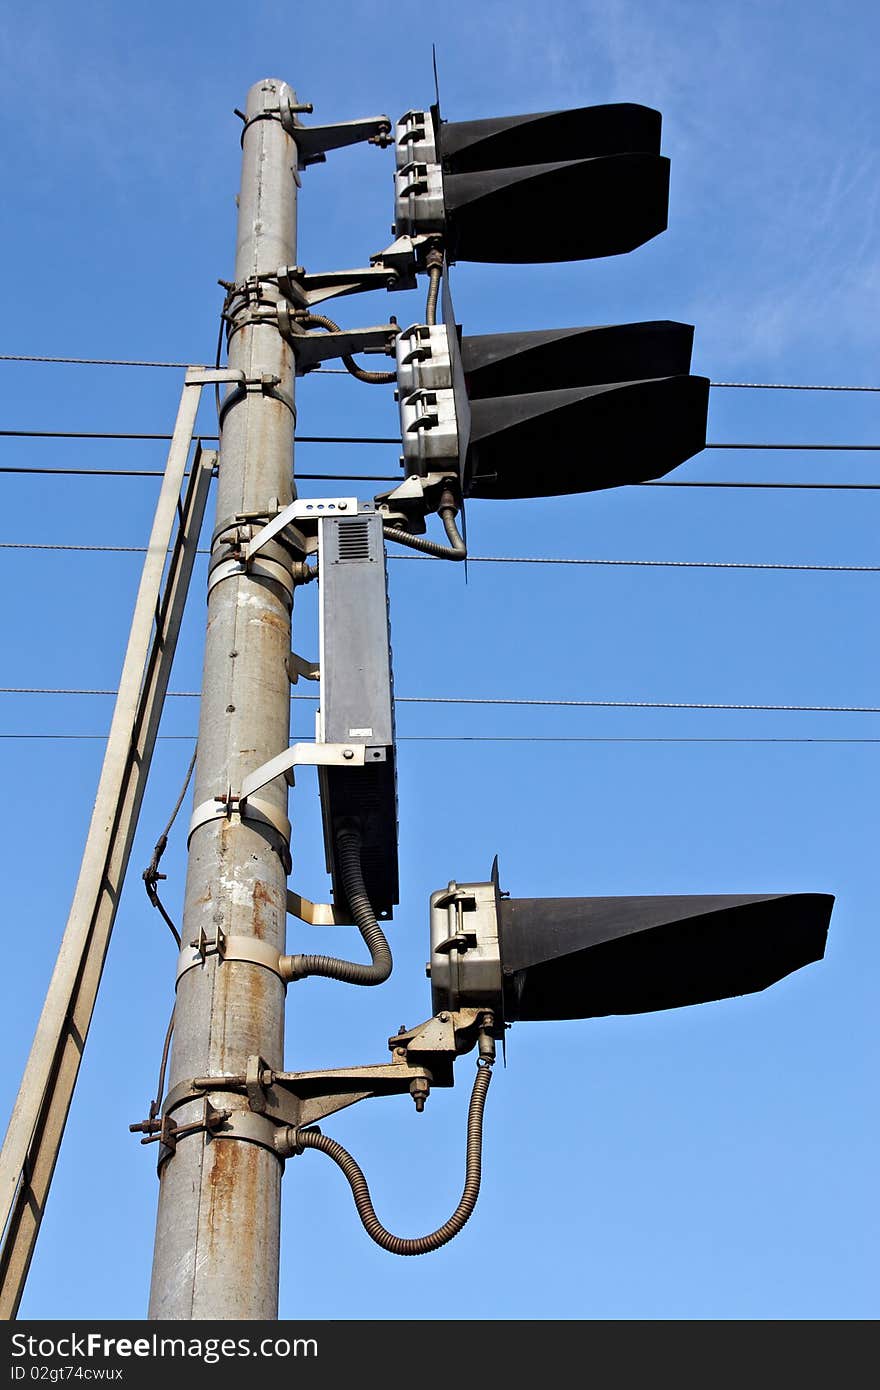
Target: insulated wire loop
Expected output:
[373,378]
[435,275]
[456,550]
[349,972]
[419,1245]
[151,873]
[156,1104]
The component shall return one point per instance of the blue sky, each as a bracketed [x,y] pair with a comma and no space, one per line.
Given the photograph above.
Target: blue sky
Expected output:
[709,1163]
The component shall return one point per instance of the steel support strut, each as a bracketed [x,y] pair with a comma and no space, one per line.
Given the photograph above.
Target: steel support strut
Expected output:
[218,1226]
[33,1139]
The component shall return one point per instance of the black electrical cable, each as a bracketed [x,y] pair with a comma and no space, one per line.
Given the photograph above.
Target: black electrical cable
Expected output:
[435,276]
[456,550]
[156,1104]
[151,873]
[361,373]
[419,1245]
[127,362]
[491,738]
[432,548]
[349,972]
[500,700]
[386,378]
[394,478]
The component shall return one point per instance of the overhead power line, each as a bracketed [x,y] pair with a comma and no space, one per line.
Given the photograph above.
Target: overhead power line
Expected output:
[129,362]
[787,386]
[159,473]
[132,435]
[96,361]
[496,700]
[395,478]
[831,448]
[502,559]
[488,738]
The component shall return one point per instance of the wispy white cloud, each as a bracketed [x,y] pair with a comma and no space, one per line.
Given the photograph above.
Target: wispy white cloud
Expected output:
[775,164]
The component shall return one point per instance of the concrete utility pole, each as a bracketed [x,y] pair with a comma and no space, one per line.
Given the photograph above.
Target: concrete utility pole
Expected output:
[218,1226]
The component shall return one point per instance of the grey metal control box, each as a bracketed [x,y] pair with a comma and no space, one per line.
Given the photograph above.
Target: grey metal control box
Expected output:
[357,700]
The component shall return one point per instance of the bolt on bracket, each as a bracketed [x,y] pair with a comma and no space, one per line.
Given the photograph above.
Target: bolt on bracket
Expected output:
[316,914]
[300,513]
[280,1103]
[304,290]
[314,142]
[298,666]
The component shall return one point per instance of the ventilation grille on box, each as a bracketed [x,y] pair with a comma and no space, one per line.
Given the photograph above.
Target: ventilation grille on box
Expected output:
[354,539]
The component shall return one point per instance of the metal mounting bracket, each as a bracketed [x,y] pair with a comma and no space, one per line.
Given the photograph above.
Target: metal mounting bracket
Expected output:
[266,384]
[262,569]
[281,1102]
[208,376]
[256,809]
[303,510]
[316,914]
[304,290]
[313,142]
[462,937]
[309,755]
[298,666]
[406,257]
[165,1131]
[312,348]
[249,949]
[415,497]
[249,806]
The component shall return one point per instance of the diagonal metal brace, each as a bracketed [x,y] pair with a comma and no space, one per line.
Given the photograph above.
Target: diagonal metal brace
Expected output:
[299,666]
[305,290]
[36,1128]
[422,1057]
[314,348]
[314,141]
[316,914]
[308,754]
[302,510]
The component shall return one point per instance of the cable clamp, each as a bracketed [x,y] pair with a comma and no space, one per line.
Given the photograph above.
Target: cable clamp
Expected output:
[248,949]
[266,384]
[260,569]
[248,806]
[165,1130]
[254,809]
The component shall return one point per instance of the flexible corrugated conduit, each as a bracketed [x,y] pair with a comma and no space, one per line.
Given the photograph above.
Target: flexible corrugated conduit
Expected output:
[373,378]
[456,550]
[349,972]
[435,275]
[418,1245]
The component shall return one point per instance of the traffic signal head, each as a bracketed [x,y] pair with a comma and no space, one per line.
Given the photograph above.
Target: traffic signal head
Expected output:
[551,186]
[556,958]
[538,414]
